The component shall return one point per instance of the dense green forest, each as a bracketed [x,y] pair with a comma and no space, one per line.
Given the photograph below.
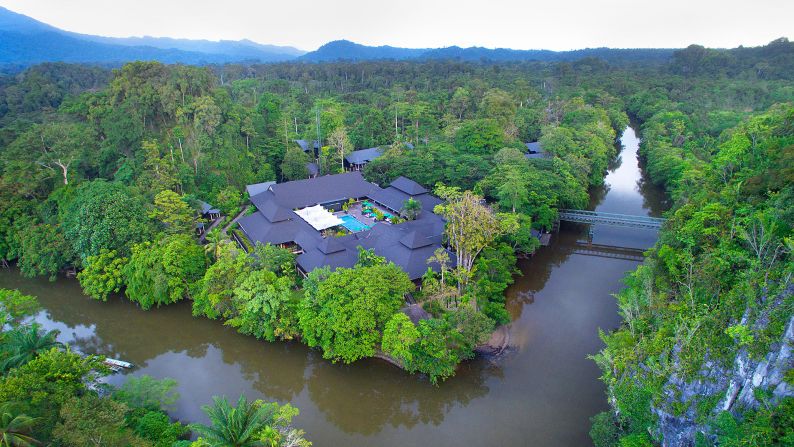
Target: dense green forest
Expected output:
[101,173]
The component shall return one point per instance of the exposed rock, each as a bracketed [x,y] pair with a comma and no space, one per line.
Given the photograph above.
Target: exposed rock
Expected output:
[736,386]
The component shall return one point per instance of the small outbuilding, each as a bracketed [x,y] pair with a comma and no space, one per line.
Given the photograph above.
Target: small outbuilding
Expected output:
[208,211]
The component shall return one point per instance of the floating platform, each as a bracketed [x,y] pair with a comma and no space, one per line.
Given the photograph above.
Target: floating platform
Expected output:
[117,365]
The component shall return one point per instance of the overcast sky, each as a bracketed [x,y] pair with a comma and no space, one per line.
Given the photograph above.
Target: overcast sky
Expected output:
[520,24]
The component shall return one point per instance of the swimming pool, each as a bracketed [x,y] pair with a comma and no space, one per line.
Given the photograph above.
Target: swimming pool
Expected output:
[353,224]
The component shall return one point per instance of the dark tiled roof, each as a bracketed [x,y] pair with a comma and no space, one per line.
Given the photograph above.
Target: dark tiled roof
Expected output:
[309,192]
[417,239]
[408,244]
[305,145]
[408,186]
[206,208]
[312,168]
[389,197]
[270,208]
[364,155]
[330,245]
[258,188]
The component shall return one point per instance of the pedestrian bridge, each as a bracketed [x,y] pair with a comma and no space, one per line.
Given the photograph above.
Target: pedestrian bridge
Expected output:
[608,251]
[621,220]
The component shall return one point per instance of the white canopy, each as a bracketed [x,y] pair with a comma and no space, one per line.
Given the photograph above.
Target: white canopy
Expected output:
[319,217]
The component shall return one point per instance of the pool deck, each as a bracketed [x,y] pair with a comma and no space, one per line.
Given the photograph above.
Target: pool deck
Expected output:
[355,211]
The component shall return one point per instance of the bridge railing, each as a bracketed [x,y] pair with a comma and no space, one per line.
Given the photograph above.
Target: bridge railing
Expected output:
[595,217]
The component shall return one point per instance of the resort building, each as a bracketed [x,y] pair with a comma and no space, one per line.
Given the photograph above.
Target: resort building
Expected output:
[356,160]
[208,211]
[325,219]
[312,148]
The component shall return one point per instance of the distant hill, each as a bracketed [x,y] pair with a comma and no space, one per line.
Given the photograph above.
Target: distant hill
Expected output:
[25,41]
[244,49]
[506,54]
[344,50]
[350,51]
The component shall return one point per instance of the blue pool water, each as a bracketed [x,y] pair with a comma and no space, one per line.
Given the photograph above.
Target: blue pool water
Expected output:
[353,224]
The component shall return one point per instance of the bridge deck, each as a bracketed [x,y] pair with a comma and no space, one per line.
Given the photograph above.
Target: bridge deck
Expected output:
[607,251]
[623,220]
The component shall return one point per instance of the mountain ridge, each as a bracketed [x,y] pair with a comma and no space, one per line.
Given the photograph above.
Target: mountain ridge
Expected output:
[27,41]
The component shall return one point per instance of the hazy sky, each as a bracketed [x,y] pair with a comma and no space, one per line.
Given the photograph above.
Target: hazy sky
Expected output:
[521,24]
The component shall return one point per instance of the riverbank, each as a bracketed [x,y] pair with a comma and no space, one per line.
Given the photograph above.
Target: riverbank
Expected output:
[542,393]
[497,345]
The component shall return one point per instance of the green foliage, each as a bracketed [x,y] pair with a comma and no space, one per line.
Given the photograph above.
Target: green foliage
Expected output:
[635,440]
[741,334]
[228,200]
[92,421]
[470,328]
[171,210]
[165,271]
[493,273]
[264,306]
[155,426]
[714,284]
[398,337]
[103,274]
[280,261]
[105,215]
[482,137]
[763,427]
[215,293]
[345,312]
[432,353]
[15,306]
[147,392]
[15,428]
[47,382]
[604,430]
[294,165]
[246,425]
[23,344]
[411,208]
[517,232]
[43,251]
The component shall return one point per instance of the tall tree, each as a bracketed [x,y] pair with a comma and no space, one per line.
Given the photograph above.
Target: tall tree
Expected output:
[105,215]
[341,144]
[471,225]
[294,165]
[514,191]
[173,212]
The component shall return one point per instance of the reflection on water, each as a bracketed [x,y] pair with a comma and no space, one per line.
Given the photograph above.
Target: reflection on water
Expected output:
[543,395]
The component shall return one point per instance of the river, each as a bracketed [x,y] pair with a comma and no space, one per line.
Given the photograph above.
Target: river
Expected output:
[541,395]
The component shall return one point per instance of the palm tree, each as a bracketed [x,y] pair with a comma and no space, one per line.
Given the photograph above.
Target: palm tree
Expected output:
[215,240]
[234,427]
[26,343]
[411,208]
[15,428]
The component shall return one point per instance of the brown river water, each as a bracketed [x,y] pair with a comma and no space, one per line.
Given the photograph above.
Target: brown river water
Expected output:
[543,394]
